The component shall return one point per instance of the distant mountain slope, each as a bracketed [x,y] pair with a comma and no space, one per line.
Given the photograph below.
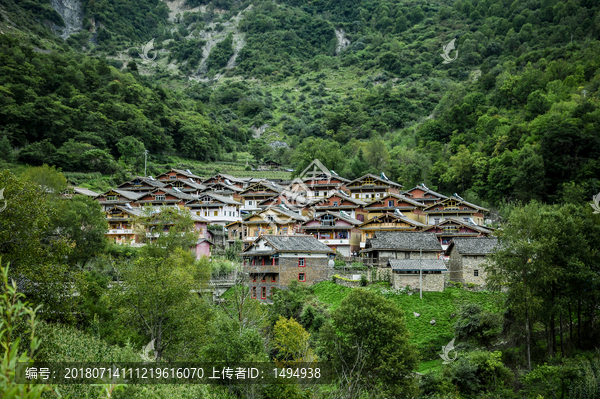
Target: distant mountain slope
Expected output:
[524,76]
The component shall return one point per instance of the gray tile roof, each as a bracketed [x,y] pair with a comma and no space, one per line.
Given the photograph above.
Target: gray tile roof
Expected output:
[400,240]
[127,194]
[296,243]
[397,196]
[427,191]
[219,198]
[186,173]
[85,191]
[388,182]
[416,264]
[475,245]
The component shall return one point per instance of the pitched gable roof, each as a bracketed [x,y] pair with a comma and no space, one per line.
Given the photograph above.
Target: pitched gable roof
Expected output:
[288,243]
[215,198]
[426,191]
[374,177]
[398,218]
[440,204]
[130,195]
[474,245]
[450,220]
[403,241]
[417,264]
[399,197]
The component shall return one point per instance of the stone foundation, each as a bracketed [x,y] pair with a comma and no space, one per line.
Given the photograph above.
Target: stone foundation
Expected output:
[431,282]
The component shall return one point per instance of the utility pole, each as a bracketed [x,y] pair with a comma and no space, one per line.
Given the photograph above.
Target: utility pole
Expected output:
[421,272]
[145,159]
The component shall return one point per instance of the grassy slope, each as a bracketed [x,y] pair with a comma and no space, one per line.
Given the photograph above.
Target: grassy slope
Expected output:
[434,305]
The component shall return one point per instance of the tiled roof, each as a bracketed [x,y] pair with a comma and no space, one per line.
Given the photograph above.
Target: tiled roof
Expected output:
[398,217]
[220,198]
[475,245]
[397,196]
[137,211]
[127,194]
[399,240]
[427,191]
[186,173]
[85,191]
[388,182]
[416,264]
[296,243]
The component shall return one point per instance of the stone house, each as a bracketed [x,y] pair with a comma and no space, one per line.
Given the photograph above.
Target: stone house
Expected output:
[452,227]
[388,245]
[406,272]
[467,258]
[277,260]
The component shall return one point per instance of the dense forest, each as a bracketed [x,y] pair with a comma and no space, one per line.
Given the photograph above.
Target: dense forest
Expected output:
[515,117]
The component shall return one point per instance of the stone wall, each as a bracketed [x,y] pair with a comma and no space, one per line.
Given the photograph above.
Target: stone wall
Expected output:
[471,263]
[346,283]
[316,270]
[431,282]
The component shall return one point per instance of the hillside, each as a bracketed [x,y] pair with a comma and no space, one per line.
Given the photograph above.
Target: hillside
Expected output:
[359,85]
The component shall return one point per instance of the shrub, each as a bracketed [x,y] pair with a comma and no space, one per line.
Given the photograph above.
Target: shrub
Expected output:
[363,280]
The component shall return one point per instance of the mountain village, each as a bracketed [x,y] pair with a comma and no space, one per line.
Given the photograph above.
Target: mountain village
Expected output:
[293,230]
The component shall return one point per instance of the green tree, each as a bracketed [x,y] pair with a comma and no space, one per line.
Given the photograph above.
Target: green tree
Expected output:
[477,324]
[47,177]
[82,221]
[6,150]
[37,253]
[292,341]
[157,295]
[367,342]
[131,150]
[257,148]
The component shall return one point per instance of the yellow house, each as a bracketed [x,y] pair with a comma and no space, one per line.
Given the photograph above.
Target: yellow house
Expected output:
[388,222]
[391,203]
[273,220]
[121,224]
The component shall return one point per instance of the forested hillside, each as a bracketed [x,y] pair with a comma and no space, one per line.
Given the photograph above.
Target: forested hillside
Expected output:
[359,85]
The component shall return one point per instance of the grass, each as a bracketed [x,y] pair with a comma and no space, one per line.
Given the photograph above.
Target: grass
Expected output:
[440,306]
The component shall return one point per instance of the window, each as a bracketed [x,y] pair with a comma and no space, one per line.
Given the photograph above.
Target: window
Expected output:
[160,197]
[437,209]
[172,177]
[327,220]
[263,292]
[301,276]
[274,278]
[466,219]
[264,278]
[356,196]
[254,278]
[407,255]
[436,220]
[465,208]
[476,273]
[249,202]
[253,292]
[335,203]
[377,195]
[301,262]
[112,198]
[216,213]
[391,203]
